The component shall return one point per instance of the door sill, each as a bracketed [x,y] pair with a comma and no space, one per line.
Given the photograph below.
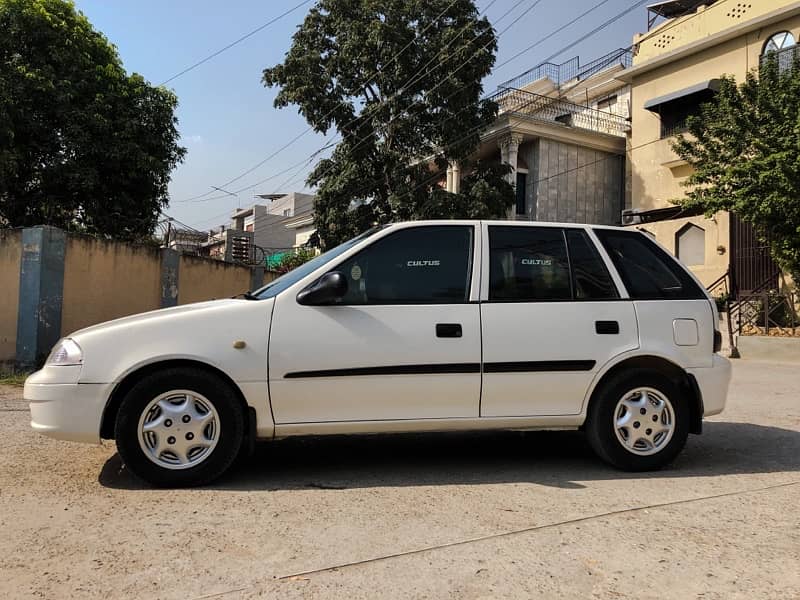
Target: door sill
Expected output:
[547,422]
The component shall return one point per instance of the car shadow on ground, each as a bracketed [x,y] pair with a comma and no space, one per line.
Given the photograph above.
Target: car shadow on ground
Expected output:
[556,459]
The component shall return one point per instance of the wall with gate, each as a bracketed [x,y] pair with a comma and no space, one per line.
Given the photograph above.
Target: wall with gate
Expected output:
[53,283]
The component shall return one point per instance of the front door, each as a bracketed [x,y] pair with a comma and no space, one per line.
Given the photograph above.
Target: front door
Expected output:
[403,343]
[551,318]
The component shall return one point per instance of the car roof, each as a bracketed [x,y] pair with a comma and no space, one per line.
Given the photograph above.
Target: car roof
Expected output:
[501,222]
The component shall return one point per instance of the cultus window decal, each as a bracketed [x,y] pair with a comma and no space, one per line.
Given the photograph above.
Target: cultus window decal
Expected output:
[537,261]
[423,263]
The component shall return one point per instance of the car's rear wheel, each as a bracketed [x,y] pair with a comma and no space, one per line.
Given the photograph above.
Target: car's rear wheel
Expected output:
[179,427]
[639,421]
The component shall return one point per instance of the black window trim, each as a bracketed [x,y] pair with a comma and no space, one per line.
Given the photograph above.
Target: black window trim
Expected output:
[474,229]
[589,239]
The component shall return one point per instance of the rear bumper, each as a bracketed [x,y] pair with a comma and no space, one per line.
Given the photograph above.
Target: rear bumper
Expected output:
[66,411]
[713,383]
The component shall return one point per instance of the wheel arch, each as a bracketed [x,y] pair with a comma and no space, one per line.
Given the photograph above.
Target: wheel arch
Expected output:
[127,382]
[685,382]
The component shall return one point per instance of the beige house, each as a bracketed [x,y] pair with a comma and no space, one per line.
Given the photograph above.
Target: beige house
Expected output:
[563,129]
[676,67]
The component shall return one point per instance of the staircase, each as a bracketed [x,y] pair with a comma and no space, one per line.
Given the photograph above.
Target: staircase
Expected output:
[758,311]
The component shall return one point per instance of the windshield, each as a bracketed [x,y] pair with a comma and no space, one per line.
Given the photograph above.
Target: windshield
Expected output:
[289,279]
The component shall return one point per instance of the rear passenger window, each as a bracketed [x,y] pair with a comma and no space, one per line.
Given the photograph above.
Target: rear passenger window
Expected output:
[647,271]
[528,264]
[590,278]
[419,265]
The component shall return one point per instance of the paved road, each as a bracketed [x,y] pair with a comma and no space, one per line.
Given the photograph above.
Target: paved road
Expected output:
[527,515]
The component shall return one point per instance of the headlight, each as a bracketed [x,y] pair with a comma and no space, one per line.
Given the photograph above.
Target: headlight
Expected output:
[65,352]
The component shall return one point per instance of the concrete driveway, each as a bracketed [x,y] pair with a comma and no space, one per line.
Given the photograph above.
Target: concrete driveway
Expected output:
[527,515]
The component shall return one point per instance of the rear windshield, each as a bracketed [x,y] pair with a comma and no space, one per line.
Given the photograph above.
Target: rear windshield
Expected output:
[648,272]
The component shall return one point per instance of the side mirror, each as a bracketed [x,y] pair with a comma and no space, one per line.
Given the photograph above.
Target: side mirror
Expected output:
[326,290]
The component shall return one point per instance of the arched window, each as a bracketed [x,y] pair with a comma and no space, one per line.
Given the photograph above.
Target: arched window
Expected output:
[778,41]
[690,245]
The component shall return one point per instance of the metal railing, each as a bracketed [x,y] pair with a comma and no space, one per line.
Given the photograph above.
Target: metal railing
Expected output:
[765,313]
[785,57]
[554,110]
[720,287]
[571,69]
[669,129]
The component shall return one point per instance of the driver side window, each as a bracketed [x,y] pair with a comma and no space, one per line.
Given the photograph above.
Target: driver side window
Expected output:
[419,265]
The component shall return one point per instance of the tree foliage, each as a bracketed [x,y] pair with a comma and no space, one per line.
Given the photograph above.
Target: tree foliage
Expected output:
[83,145]
[400,80]
[745,150]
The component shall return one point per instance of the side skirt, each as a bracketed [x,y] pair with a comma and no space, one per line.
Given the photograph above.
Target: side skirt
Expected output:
[559,422]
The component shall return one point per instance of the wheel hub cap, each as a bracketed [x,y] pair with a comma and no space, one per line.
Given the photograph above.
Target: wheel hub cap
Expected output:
[178,429]
[644,421]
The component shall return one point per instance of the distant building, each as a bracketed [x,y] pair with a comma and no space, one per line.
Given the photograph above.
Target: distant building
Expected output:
[230,245]
[185,240]
[275,225]
[676,67]
[563,129]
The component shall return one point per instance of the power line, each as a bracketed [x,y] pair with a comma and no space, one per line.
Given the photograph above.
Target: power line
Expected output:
[579,40]
[452,73]
[598,28]
[413,79]
[583,38]
[235,42]
[375,106]
[309,128]
[548,36]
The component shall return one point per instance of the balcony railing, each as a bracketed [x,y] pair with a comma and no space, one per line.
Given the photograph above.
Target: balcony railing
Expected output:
[785,58]
[553,110]
[571,69]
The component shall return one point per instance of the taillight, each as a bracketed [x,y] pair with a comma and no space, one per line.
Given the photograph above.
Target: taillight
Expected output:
[717,340]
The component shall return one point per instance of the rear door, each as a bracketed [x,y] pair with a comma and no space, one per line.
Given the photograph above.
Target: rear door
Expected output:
[675,314]
[551,317]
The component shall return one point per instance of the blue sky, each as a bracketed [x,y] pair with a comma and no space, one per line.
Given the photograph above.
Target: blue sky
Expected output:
[227,120]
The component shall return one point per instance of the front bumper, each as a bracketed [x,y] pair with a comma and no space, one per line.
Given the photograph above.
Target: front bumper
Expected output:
[713,383]
[66,411]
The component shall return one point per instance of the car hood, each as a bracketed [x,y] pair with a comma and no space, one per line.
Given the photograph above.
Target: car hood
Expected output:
[230,335]
[162,313]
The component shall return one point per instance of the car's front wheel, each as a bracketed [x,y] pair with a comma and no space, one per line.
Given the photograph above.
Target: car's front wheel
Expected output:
[638,422]
[179,427]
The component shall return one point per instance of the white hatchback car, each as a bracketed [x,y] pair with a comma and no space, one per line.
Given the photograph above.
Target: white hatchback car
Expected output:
[423,326]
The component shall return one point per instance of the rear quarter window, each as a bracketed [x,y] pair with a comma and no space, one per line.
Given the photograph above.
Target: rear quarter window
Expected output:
[648,272]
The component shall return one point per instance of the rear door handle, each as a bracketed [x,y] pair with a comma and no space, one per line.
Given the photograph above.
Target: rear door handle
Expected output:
[448,330]
[606,327]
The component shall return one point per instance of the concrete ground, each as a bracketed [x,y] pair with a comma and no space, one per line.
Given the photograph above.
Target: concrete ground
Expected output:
[525,515]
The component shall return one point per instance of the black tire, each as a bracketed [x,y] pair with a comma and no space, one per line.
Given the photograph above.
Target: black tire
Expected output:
[600,429]
[217,392]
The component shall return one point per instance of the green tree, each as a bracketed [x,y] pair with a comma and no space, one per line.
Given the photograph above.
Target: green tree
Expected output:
[745,150]
[400,80]
[83,145]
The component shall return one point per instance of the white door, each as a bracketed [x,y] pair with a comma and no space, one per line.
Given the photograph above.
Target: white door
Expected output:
[403,343]
[551,317]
